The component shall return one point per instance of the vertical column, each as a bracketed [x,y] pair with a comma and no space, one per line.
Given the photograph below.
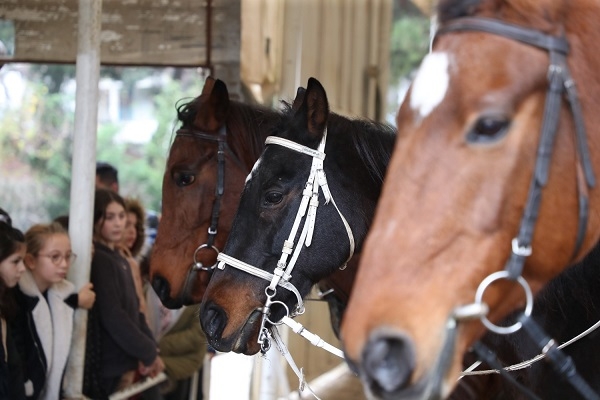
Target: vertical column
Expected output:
[83,176]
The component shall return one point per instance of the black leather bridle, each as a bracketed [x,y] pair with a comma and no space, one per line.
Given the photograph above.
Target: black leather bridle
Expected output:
[560,82]
[221,139]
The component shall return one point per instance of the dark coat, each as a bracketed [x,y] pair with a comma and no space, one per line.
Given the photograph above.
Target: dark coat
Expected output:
[124,334]
[11,369]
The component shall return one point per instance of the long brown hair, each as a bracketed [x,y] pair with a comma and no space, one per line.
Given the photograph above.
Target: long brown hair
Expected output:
[102,198]
[135,206]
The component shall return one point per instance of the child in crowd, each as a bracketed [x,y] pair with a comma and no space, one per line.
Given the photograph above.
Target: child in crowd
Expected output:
[47,301]
[12,252]
[126,341]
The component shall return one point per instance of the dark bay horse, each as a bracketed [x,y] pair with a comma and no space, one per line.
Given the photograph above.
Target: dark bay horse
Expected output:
[218,142]
[304,211]
[490,192]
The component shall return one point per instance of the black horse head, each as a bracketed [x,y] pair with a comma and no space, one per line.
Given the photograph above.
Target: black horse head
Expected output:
[356,155]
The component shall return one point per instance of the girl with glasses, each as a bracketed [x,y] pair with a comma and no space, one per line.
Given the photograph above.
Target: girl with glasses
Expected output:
[44,324]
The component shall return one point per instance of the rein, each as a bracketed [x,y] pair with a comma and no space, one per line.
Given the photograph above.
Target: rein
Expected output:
[221,139]
[560,82]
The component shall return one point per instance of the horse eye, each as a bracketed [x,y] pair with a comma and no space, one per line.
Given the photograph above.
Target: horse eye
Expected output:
[273,197]
[488,129]
[183,178]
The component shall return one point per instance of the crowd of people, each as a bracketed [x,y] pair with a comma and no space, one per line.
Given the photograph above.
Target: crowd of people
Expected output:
[130,334]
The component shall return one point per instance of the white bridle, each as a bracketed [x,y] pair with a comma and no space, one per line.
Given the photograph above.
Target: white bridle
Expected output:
[283,272]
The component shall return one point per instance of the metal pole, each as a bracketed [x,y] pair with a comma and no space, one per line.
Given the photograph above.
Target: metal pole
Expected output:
[83,177]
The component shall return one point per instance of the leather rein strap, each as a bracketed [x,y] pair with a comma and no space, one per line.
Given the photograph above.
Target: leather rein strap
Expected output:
[221,139]
[560,82]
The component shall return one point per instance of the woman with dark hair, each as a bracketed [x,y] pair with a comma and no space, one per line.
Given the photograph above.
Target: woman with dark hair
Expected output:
[135,234]
[126,342]
[12,254]
[132,243]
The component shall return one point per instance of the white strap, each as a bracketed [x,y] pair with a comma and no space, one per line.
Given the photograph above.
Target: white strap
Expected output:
[295,146]
[316,180]
[224,259]
[288,357]
[314,339]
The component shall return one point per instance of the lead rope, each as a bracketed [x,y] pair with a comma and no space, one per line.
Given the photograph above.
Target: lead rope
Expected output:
[525,364]
[314,339]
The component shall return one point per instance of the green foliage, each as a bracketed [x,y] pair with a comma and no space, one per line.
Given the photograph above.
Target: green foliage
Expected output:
[141,167]
[37,137]
[409,44]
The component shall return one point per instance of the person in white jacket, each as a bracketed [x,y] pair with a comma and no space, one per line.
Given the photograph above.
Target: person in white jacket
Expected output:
[46,300]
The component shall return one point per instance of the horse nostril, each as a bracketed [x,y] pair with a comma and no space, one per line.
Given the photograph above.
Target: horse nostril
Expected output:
[213,320]
[388,363]
[162,288]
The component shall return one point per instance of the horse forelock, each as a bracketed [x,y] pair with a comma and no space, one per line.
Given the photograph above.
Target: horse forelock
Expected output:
[186,112]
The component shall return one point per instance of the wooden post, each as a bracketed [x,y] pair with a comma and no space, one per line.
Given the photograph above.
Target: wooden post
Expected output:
[83,177]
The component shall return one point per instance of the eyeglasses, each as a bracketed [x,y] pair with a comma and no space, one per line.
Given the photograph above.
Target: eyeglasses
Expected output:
[56,258]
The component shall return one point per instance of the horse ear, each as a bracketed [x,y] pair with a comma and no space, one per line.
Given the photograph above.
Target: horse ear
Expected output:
[299,98]
[316,108]
[213,112]
[209,82]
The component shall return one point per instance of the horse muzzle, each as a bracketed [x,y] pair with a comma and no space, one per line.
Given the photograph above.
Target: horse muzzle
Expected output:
[244,340]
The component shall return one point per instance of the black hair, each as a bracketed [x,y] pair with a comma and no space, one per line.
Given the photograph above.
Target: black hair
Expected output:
[107,173]
[11,239]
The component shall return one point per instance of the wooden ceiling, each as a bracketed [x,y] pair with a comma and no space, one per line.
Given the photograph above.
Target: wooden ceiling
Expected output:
[134,32]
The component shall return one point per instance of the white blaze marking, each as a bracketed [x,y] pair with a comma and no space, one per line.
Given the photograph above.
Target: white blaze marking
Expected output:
[431,83]
[254,168]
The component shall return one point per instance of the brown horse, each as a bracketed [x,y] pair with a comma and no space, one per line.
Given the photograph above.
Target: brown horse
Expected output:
[471,179]
[211,156]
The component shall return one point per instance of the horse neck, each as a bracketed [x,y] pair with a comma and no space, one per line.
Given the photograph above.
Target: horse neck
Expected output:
[341,282]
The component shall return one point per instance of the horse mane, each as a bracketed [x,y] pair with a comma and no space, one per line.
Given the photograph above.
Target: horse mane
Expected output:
[373,141]
[249,146]
[575,289]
